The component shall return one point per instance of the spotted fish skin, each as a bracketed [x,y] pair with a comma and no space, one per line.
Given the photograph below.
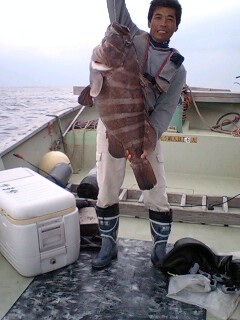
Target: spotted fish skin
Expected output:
[116,91]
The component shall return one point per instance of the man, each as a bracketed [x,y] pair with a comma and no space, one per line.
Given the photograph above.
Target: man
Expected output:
[163,77]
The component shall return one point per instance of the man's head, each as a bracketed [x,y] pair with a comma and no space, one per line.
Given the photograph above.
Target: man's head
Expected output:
[164,16]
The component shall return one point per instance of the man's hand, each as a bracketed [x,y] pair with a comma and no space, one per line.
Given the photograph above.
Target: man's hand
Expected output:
[127,155]
[143,155]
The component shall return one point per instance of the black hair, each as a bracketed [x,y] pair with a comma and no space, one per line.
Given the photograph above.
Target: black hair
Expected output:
[165,3]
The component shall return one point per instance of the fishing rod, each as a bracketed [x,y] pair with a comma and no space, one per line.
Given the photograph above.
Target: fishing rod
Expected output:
[65,172]
[17,155]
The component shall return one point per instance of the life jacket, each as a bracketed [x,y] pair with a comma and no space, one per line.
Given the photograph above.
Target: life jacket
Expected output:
[189,252]
[165,71]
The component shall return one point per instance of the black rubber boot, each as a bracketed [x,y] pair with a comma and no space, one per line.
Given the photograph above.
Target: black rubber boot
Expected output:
[160,224]
[108,219]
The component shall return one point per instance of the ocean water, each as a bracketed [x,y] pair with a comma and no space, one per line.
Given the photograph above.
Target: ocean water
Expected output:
[24,108]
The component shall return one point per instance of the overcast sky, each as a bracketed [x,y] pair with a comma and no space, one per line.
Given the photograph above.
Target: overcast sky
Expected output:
[49,42]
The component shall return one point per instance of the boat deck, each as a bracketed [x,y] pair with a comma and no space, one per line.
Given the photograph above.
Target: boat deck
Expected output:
[198,162]
[223,239]
[220,238]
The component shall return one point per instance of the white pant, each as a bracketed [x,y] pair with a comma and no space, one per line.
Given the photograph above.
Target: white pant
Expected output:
[111,172]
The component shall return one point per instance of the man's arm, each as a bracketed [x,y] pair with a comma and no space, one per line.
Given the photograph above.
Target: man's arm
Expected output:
[118,12]
[167,103]
[165,107]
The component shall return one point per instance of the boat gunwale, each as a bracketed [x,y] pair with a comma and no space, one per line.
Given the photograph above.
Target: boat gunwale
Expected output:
[34,131]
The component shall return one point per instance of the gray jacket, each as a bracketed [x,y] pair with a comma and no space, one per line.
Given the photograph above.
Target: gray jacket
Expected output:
[161,105]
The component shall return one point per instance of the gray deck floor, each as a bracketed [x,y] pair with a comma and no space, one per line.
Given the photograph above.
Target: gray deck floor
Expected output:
[221,239]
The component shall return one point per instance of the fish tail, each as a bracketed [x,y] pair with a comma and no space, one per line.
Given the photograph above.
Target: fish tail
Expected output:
[144,174]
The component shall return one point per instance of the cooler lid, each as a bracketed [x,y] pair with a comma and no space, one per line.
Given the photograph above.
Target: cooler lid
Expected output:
[25,194]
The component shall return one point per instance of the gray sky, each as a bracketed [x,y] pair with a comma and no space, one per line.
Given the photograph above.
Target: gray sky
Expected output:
[49,42]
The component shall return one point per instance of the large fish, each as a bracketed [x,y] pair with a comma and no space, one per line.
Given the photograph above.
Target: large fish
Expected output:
[116,91]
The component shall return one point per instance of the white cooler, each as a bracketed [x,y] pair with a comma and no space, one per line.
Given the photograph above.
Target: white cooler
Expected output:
[39,223]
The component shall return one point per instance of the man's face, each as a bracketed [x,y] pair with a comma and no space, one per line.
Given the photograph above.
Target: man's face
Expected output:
[163,24]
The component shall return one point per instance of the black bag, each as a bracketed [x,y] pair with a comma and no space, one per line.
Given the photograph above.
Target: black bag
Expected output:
[188,251]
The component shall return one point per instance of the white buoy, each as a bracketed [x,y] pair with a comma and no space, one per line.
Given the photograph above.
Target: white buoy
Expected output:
[56,166]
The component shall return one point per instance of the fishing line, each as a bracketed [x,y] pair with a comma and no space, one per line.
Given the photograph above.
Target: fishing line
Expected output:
[210,206]
[221,203]
[17,155]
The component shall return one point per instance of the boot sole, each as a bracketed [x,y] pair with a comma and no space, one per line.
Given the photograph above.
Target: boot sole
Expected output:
[105,265]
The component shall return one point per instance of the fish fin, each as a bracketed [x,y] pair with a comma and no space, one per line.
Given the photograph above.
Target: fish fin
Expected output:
[150,136]
[144,174]
[96,80]
[85,98]
[115,147]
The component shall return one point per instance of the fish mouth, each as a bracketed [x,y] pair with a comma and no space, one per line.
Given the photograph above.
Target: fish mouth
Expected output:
[96,65]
